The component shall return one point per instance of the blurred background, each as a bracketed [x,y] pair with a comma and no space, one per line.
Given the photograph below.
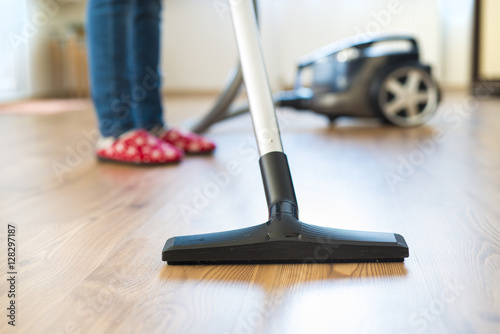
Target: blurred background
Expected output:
[43,51]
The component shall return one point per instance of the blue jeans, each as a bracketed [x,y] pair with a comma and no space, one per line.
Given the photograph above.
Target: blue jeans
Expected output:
[123,38]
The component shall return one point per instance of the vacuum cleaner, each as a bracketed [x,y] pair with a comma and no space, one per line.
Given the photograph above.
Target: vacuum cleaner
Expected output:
[283,238]
[381,77]
[377,77]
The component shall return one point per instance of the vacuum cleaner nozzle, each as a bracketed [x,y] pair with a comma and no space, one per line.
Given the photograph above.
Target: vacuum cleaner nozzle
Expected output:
[285,239]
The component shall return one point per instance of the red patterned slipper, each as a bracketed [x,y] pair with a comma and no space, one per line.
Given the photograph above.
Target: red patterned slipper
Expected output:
[187,141]
[138,147]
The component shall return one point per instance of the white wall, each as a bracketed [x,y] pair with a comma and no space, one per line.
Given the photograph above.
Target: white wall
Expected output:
[25,27]
[456,28]
[14,62]
[199,49]
[303,26]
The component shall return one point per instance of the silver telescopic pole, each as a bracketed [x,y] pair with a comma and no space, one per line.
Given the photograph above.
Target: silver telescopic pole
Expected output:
[257,86]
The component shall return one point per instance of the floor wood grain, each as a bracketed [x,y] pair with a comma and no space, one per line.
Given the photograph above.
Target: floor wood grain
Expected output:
[90,234]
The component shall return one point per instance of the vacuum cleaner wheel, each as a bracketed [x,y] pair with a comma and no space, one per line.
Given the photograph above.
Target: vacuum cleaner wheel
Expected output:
[408,96]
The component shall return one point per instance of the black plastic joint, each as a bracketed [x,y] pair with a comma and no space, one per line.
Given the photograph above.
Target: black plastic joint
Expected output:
[284,208]
[277,180]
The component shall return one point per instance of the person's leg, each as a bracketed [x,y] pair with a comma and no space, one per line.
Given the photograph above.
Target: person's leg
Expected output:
[144,48]
[146,97]
[108,28]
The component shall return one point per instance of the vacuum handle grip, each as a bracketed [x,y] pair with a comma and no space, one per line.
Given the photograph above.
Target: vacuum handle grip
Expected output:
[351,42]
[388,38]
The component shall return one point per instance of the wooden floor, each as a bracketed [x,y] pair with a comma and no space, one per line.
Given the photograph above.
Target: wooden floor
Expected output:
[90,235]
